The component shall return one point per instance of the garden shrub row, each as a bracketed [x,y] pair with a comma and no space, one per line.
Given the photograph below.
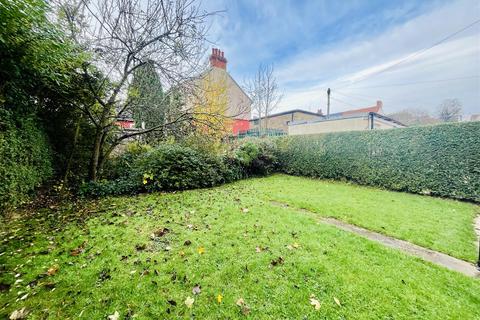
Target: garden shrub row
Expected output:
[441,160]
[169,167]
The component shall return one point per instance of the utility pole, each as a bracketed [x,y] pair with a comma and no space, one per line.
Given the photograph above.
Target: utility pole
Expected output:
[328,102]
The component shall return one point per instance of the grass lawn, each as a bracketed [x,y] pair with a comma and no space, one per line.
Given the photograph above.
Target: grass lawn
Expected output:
[438,224]
[116,255]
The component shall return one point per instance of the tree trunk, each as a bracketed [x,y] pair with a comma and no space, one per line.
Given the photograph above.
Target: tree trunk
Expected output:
[70,159]
[97,146]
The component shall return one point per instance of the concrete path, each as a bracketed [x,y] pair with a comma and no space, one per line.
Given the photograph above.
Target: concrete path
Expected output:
[436,257]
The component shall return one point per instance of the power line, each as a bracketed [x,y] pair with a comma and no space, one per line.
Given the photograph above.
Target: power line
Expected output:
[417,53]
[416,82]
[344,102]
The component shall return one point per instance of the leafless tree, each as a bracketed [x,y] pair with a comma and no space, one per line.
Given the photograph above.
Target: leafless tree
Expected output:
[123,35]
[265,94]
[413,117]
[450,110]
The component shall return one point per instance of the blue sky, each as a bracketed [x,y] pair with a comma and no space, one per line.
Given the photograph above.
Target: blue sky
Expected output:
[345,44]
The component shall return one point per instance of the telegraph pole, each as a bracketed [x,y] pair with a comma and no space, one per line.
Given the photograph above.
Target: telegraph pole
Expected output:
[328,102]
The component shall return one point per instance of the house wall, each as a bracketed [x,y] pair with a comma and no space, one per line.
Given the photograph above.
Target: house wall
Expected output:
[339,125]
[239,104]
[281,121]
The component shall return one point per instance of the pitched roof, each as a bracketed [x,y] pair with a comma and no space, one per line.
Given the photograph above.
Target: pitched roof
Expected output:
[375,109]
[290,112]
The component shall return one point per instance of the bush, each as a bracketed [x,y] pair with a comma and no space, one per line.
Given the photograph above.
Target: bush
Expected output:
[176,167]
[257,157]
[25,158]
[441,160]
[171,167]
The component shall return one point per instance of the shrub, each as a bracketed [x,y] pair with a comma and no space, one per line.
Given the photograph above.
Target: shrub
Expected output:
[441,160]
[257,157]
[25,158]
[122,165]
[178,167]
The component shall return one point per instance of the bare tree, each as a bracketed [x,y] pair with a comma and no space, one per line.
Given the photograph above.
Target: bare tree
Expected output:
[121,36]
[265,94]
[413,117]
[450,110]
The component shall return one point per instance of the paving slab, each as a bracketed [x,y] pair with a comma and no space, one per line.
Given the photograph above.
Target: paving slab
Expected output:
[433,256]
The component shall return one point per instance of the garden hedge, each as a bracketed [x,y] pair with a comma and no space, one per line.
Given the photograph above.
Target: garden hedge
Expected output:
[25,158]
[441,160]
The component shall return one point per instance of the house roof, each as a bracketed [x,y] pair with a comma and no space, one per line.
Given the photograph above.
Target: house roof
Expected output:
[375,109]
[290,112]
[350,116]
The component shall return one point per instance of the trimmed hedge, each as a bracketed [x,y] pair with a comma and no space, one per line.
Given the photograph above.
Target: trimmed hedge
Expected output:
[25,158]
[441,160]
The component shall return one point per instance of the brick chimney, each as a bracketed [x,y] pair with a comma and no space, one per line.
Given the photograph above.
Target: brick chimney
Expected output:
[217,59]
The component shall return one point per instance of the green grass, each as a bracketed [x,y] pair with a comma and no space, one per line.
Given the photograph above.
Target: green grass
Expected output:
[439,224]
[369,280]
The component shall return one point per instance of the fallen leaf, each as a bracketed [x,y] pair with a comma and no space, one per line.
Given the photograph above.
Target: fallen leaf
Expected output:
[19,314]
[182,253]
[52,270]
[189,302]
[78,250]
[240,302]
[244,308]
[114,316]
[187,243]
[161,232]
[140,246]
[201,250]
[295,245]
[314,302]
[219,298]
[245,210]
[258,249]
[277,261]
[337,301]
[197,289]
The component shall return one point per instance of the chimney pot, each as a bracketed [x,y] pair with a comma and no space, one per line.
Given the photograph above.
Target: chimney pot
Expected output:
[217,59]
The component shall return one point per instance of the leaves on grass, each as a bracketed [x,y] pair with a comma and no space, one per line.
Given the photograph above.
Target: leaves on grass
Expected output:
[258,249]
[114,316]
[244,308]
[337,301]
[52,270]
[140,246]
[314,302]
[78,250]
[187,243]
[19,314]
[277,261]
[245,210]
[201,250]
[189,302]
[219,298]
[293,246]
[160,232]
[197,289]
[104,275]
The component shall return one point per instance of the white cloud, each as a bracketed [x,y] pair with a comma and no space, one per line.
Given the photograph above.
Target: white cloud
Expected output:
[306,75]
